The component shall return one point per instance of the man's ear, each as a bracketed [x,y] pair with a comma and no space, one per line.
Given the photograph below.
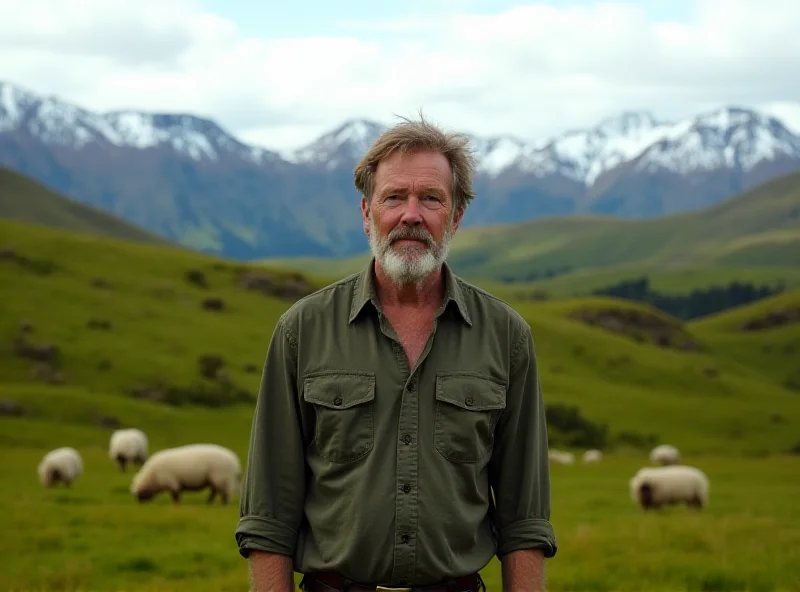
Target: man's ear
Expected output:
[365,214]
[457,218]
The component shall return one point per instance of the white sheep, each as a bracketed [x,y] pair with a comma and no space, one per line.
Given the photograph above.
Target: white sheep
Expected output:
[560,457]
[128,445]
[62,465]
[592,456]
[189,468]
[653,487]
[665,454]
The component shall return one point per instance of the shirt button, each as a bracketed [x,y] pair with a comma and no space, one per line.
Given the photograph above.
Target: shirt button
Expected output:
[406,488]
[407,439]
[469,401]
[404,539]
[337,401]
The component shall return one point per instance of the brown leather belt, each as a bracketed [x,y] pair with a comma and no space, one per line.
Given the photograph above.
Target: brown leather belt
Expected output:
[333,582]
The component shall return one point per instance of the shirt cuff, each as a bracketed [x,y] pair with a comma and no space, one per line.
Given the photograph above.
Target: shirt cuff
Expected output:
[534,533]
[264,534]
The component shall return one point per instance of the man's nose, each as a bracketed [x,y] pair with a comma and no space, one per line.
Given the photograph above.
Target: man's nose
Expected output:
[412,214]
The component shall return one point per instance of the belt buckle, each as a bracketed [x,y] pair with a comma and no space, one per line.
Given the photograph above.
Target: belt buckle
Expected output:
[388,589]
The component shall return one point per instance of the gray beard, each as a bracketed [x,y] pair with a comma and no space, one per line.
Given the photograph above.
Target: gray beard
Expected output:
[408,265]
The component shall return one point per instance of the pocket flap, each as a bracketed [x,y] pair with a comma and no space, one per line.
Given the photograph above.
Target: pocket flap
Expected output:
[470,391]
[339,389]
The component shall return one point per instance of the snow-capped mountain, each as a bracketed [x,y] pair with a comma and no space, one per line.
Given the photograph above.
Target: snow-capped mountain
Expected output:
[56,122]
[188,178]
[726,138]
[341,147]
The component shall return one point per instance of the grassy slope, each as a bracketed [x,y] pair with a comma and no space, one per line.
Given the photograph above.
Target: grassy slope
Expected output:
[758,228]
[22,198]
[115,543]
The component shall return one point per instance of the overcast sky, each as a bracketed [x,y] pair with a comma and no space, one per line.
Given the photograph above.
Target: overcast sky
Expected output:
[279,74]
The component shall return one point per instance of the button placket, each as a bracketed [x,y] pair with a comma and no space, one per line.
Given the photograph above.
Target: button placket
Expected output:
[406,511]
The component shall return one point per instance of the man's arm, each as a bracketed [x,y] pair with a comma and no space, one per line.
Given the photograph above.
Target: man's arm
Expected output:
[273,491]
[523,571]
[271,572]
[519,473]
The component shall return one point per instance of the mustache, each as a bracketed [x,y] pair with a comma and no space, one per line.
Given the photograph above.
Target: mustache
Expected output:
[412,233]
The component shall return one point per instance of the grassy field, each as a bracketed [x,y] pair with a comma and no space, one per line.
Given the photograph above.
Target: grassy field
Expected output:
[757,229]
[731,403]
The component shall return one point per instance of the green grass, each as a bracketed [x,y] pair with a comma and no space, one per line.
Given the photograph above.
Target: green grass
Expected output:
[759,228]
[23,199]
[731,407]
[94,537]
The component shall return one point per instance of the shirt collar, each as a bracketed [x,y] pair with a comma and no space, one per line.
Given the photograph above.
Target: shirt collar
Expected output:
[364,292]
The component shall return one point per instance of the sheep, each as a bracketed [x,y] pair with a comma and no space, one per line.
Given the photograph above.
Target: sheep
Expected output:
[189,468]
[128,445]
[653,487]
[665,454]
[62,465]
[592,456]
[560,457]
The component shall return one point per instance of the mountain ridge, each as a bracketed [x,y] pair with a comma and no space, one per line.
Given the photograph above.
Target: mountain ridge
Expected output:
[189,179]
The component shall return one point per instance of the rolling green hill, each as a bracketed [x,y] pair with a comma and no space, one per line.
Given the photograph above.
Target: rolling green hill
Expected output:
[756,233]
[99,332]
[129,316]
[23,199]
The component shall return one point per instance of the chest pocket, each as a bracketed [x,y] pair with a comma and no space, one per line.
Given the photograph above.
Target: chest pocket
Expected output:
[468,406]
[343,404]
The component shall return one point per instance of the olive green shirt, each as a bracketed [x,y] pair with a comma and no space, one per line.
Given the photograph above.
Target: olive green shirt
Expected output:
[384,473]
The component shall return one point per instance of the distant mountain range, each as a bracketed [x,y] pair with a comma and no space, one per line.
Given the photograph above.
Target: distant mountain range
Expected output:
[188,179]
[758,228]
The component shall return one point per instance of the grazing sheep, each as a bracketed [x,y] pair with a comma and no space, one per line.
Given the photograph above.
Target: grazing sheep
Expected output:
[62,465]
[665,454]
[128,445]
[653,487]
[592,456]
[189,468]
[560,457]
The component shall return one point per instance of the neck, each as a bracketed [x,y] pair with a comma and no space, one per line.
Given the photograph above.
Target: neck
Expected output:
[425,293]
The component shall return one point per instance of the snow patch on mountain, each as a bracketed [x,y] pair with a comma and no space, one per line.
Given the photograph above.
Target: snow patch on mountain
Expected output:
[725,137]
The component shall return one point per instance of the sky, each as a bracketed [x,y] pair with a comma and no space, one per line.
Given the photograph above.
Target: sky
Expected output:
[280,74]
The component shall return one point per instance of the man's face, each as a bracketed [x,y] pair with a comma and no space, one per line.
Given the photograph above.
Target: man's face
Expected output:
[411,219]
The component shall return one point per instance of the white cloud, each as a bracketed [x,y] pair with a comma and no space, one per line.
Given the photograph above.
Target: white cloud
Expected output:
[533,71]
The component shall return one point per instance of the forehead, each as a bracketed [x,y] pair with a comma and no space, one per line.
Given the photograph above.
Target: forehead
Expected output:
[414,170]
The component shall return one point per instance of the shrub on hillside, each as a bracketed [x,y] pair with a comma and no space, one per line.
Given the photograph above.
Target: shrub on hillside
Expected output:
[567,427]
[37,266]
[196,277]
[210,365]
[639,324]
[222,393]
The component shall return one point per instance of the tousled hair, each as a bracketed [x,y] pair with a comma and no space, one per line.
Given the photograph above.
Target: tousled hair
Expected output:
[413,136]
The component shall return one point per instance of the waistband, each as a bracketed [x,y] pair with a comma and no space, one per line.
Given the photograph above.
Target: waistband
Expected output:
[334,582]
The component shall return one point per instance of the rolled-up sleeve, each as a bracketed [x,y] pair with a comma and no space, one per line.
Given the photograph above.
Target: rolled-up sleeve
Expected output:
[273,490]
[519,469]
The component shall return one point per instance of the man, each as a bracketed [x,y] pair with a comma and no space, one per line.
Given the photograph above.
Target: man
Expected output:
[399,437]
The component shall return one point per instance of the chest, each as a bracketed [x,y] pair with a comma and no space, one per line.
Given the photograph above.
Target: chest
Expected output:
[413,333]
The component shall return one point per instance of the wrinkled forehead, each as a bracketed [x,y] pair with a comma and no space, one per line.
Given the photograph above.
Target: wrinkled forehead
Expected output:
[414,171]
